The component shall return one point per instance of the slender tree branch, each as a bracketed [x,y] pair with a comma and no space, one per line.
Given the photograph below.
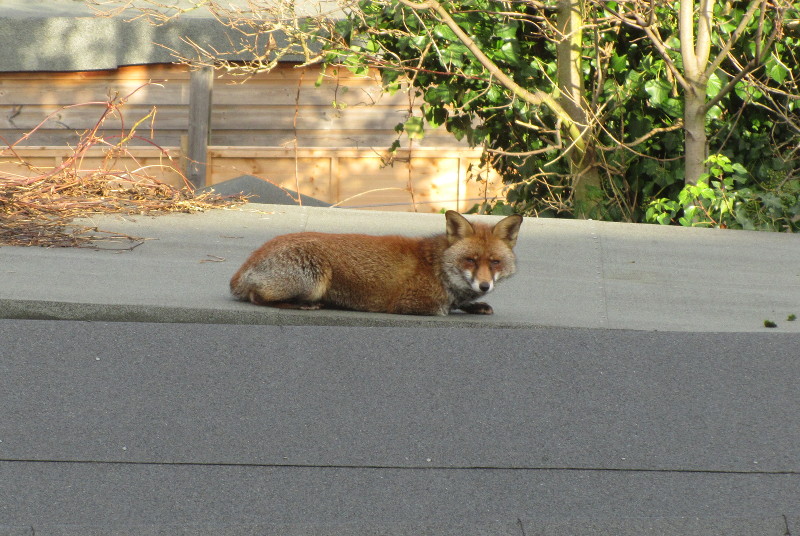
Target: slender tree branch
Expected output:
[686,32]
[735,36]
[537,98]
[636,21]
[761,50]
[751,66]
[703,45]
[678,124]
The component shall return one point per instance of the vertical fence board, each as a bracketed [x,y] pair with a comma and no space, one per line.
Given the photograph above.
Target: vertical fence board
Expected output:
[200,97]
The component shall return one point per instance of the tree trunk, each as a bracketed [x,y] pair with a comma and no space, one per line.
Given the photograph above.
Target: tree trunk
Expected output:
[694,124]
[695,55]
[585,175]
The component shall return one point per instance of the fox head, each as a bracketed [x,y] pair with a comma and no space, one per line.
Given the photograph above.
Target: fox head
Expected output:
[479,255]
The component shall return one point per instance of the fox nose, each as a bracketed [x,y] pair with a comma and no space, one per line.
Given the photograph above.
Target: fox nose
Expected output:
[485,286]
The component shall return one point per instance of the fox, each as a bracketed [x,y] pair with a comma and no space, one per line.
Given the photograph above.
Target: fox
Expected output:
[394,274]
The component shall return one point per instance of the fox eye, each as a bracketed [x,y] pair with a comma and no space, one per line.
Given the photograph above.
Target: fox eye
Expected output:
[494,262]
[470,260]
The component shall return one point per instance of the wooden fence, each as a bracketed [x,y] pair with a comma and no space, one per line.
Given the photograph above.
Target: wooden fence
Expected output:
[327,135]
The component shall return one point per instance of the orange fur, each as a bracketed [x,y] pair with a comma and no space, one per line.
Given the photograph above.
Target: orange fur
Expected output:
[387,274]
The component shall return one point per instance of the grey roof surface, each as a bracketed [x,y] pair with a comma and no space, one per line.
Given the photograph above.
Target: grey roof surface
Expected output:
[625,385]
[135,428]
[66,35]
[584,274]
[261,191]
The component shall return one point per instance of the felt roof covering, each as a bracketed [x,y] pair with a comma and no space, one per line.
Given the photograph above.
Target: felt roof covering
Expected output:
[68,35]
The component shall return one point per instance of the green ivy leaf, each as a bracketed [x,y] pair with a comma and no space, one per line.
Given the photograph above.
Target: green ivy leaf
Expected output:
[776,70]
[658,91]
[436,115]
[715,112]
[413,127]
[714,85]
[506,32]
[747,92]
[442,94]
[619,63]
[495,95]
[453,55]
[738,168]
[443,31]
[509,52]
[459,125]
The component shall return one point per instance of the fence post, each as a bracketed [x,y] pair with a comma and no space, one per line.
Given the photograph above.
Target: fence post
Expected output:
[201,83]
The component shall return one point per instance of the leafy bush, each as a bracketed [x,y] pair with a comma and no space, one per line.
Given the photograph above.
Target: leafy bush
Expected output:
[631,166]
[721,199]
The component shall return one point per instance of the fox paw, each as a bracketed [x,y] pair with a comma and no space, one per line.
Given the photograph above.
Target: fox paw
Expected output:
[478,308]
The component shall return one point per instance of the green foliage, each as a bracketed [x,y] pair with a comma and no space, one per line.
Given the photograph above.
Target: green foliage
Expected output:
[722,199]
[456,90]
[634,101]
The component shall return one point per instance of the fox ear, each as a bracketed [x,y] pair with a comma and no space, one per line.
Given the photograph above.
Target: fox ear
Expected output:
[507,229]
[458,227]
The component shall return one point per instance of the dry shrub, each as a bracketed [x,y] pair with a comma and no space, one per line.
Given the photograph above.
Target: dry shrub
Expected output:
[38,210]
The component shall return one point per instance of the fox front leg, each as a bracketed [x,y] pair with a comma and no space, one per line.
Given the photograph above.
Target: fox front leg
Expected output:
[477,308]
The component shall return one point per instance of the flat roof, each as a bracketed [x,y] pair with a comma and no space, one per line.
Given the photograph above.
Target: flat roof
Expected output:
[69,35]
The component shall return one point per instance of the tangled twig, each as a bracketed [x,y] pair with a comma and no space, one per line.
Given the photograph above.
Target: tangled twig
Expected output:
[38,210]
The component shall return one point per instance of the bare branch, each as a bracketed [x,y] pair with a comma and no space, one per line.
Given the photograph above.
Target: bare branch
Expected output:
[686,32]
[727,88]
[635,20]
[704,30]
[757,61]
[734,38]
[537,98]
